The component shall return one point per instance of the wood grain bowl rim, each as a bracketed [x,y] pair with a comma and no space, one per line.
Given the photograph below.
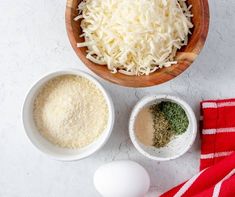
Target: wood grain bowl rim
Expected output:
[156,78]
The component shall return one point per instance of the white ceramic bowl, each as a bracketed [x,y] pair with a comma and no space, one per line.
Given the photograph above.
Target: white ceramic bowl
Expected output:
[179,145]
[44,145]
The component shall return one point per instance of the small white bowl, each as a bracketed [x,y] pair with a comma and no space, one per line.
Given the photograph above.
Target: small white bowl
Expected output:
[177,146]
[47,147]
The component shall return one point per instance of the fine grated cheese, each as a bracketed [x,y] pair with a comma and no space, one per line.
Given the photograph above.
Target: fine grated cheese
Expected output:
[134,37]
[70,111]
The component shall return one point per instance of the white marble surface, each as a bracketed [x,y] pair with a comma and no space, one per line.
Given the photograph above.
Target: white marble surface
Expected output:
[33,42]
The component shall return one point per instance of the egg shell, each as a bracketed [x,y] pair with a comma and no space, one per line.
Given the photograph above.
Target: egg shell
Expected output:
[122,179]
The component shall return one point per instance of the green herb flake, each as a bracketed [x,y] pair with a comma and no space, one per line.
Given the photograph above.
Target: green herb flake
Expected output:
[176,116]
[169,119]
[162,129]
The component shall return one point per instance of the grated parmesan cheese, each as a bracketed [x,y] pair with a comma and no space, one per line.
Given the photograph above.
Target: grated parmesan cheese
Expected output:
[70,111]
[134,37]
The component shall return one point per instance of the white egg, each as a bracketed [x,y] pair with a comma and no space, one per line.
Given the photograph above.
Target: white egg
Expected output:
[122,179]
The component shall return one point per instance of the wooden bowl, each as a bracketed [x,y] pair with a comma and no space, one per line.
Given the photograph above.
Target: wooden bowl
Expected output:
[185,56]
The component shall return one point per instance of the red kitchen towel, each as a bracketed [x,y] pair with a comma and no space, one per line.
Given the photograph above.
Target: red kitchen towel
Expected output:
[218,131]
[215,181]
[217,178]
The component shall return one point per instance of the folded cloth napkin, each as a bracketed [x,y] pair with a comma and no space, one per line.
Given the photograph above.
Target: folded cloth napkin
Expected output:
[218,131]
[217,176]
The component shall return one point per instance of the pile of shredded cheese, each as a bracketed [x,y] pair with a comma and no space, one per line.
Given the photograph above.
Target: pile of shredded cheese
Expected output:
[134,37]
[70,111]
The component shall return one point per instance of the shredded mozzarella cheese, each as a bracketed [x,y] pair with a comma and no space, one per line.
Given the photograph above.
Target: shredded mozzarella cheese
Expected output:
[134,37]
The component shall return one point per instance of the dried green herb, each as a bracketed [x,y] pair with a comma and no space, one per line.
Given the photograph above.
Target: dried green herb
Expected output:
[176,116]
[162,129]
[169,119]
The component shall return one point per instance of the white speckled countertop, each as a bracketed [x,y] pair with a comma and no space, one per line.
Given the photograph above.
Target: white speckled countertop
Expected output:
[34,42]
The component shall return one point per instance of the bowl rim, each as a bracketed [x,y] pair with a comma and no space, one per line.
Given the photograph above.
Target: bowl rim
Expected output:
[155,78]
[148,99]
[106,95]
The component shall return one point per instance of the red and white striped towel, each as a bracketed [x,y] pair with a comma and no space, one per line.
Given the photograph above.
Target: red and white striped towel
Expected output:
[217,176]
[218,131]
